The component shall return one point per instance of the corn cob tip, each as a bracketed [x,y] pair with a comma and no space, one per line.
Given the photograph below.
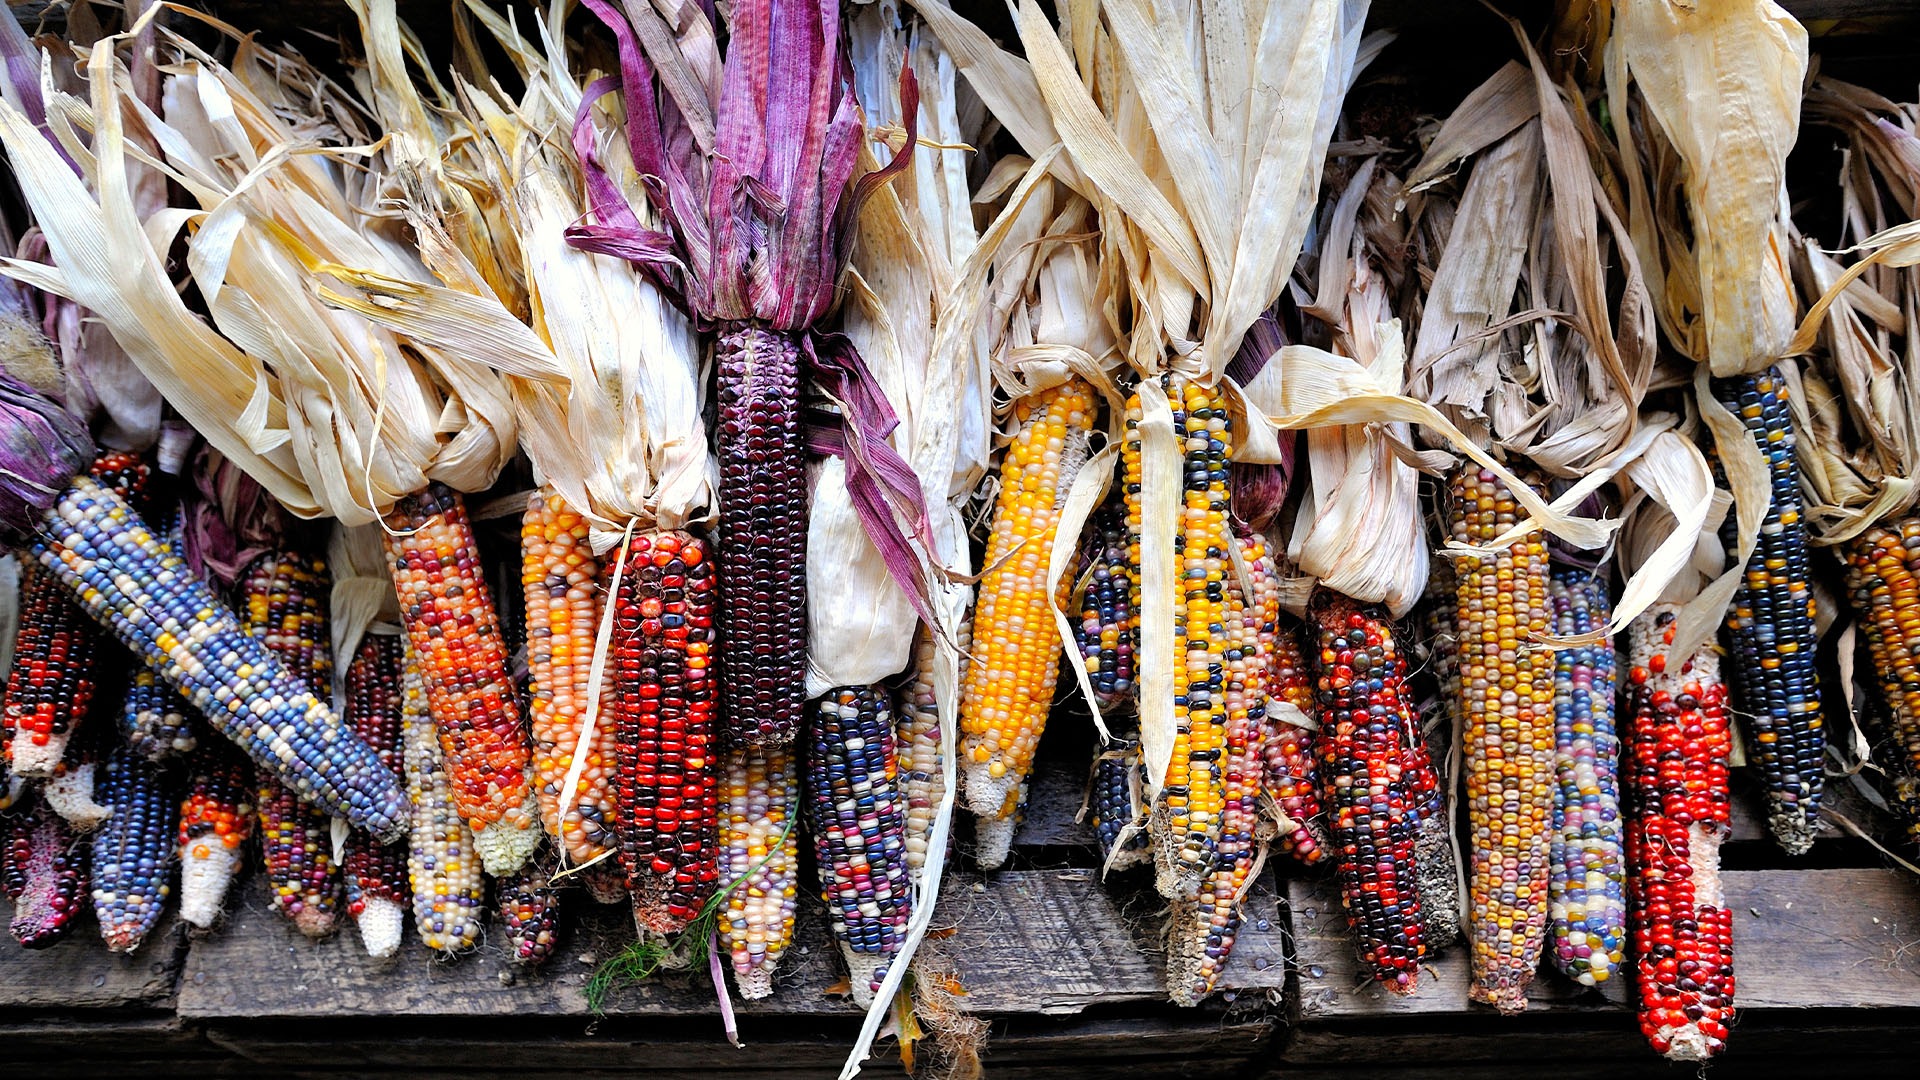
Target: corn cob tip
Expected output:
[205,873]
[1791,826]
[993,840]
[605,882]
[380,921]
[37,760]
[864,972]
[986,793]
[313,923]
[505,846]
[70,794]
[755,985]
[678,951]
[1510,1000]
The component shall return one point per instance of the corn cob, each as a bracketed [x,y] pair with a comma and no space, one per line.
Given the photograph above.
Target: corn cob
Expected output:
[70,791]
[455,632]
[1883,576]
[1435,868]
[605,882]
[859,829]
[1587,897]
[216,819]
[133,852]
[135,585]
[155,720]
[1009,686]
[530,907]
[1678,746]
[1770,624]
[917,737]
[1433,846]
[1117,802]
[761,861]
[663,694]
[45,873]
[1105,630]
[560,579]
[296,849]
[1366,728]
[443,870]
[1291,775]
[375,873]
[1506,683]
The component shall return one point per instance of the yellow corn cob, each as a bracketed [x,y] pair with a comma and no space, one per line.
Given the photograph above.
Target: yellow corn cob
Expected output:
[1883,575]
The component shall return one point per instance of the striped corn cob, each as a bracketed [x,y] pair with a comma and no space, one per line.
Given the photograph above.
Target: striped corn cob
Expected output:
[917,737]
[1770,631]
[376,873]
[561,581]
[216,820]
[1186,823]
[1678,745]
[763,535]
[135,585]
[859,829]
[663,699]
[1291,774]
[1117,801]
[1883,576]
[443,870]
[133,852]
[530,907]
[1105,629]
[285,596]
[1507,702]
[1201,931]
[1009,685]
[1587,896]
[155,720]
[761,862]
[45,874]
[1367,726]
[70,791]
[455,631]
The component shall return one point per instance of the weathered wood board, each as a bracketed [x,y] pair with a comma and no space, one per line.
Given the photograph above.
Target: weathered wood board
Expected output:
[79,972]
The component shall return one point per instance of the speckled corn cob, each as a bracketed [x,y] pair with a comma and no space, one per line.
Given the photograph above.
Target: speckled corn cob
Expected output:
[1291,774]
[1366,730]
[216,820]
[1435,867]
[530,907]
[1883,576]
[561,580]
[1105,629]
[296,850]
[1118,801]
[663,722]
[138,587]
[70,791]
[1676,774]
[155,720]
[456,633]
[1770,625]
[917,736]
[1506,680]
[133,852]
[760,861]
[375,873]
[45,874]
[449,895]
[859,829]
[1009,685]
[1588,906]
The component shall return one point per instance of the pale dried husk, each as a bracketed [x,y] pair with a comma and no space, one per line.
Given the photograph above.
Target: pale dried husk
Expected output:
[363,600]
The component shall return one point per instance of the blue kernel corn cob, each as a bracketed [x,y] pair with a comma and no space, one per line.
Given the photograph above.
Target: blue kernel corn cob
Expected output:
[1105,629]
[155,721]
[1292,775]
[376,873]
[136,585]
[216,820]
[44,871]
[1770,624]
[1118,801]
[1587,903]
[859,829]
[759,861]
[530,907]
[133,852]
[449,895]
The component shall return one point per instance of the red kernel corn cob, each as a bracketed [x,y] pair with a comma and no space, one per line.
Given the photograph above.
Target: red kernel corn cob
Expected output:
[449,895]
[70,790]
[216,820]
[376,873]
[762,861]
[1291,775]
[45,874]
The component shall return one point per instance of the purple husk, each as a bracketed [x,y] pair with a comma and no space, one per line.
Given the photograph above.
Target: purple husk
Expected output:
[42,448]
[228,519]
[1259,492]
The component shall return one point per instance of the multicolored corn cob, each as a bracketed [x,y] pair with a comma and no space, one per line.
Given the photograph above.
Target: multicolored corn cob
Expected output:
[1883,576]
[455,631]
[663,723]
[137,586]
[859,829]
[216,820]
[1770,624]
[1587,898]
[1506,679]
[1105,629]
[449,895]
[1118,803]
[133,852]
[530,906]
[1367,729]
[1291,774]
[917,736]
[375,873]
[296,849]
[760,863]
[1009,685]
[155,720]
[70,791]
[1678,744]
[45,875]
[560,578]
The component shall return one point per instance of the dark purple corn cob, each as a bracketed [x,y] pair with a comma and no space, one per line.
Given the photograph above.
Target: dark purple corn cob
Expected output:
[376,873]
[45,874]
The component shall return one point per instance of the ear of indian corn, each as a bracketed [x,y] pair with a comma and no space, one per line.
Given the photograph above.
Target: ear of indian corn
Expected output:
[1436,869]
[917,737]
[443,869]
[133,852]
[1770,624]
[663,723]
[70,791]
[760,861]
[455,631]
[561,581]
[155,720]
[1291,774]
[45,872]
[530,908]
[1105,628]
[1367,726]
[1587,897]
[1506,679]
[216,820]
[296,851]
[136,585]
[1016,648]
[1676,772]
[859,829]
[1883,576]
[376,873]
[1118,804]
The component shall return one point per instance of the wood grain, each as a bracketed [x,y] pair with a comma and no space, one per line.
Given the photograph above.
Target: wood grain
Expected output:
[79,972]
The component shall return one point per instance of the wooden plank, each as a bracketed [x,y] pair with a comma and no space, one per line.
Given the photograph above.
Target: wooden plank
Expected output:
[79,972]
